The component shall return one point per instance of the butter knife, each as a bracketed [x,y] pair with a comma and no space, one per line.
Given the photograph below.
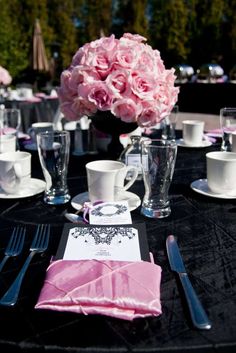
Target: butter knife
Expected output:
[197,312]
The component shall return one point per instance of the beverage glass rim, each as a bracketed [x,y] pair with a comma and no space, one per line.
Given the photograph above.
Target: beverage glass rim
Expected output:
[160,143]
[227,109]
[94,165]
[222,155]
[14,156]
[192,122]
[54,133]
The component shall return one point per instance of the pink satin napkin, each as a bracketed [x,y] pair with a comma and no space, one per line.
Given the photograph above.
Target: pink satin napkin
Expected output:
[124,290]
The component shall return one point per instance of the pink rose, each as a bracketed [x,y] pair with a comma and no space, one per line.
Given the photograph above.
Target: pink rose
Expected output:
[126,109]
[126,57]
[142,84]
[96,93]
[107,43]
[149,116]
[81,74]
[134,37]
[84,107]
[101,62]
[67,109]
[118,83]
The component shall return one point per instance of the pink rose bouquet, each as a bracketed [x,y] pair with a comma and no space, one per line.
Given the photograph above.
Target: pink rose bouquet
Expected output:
[124,76]
[5,77]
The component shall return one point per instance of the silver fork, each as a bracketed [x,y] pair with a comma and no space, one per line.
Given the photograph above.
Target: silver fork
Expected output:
[15,245]
[39,245]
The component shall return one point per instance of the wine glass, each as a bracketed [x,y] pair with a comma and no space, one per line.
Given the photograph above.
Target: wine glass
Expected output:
[228,125]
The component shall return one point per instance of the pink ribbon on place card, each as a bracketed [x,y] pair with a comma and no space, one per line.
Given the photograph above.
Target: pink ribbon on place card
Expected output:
[125,290]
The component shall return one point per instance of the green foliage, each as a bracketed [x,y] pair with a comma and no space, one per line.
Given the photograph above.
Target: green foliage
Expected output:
[130,16]
[170,18]
[185,31]
[12,46]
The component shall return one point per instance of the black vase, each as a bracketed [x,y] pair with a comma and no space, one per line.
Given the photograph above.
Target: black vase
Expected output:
[106,122]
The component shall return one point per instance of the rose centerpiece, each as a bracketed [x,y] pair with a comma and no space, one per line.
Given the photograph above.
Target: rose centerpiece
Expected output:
[122,82]
[5,80]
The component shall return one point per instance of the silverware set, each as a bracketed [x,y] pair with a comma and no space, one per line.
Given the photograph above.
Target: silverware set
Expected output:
[14,248]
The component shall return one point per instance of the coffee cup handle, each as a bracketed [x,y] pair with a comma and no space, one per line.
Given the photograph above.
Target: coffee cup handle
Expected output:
[14,179]
[134,176]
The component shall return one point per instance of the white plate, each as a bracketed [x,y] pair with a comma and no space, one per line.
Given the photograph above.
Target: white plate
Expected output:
[31,146]
[133,200]
[205,143]
[31,188]
[201,187]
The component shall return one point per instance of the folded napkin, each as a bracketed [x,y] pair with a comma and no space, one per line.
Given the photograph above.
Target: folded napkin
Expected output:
[124,290]
[214,133]
[32,100]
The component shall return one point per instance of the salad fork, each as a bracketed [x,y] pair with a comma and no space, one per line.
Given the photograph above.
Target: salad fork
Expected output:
[39,245]
[15,245]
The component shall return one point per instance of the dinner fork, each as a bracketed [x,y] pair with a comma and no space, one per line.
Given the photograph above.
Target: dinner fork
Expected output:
[39,245]
[15,245]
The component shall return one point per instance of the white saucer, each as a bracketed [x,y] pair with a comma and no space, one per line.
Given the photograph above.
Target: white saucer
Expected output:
[133,200]
[31,188]
[205,143]
[201,187]
[31,146]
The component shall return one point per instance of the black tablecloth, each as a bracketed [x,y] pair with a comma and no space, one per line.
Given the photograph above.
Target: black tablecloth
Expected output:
[206,98]
[206,231]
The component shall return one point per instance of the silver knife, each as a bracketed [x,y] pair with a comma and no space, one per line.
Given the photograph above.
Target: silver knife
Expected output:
[197,312]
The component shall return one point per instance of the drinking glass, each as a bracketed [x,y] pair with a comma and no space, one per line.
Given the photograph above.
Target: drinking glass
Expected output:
[228,125]
[11,122]
[158,163]
[169,124]
[53,150]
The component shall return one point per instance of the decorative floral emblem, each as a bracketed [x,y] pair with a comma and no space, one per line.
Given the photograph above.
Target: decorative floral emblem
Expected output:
[100,211]
[103,235]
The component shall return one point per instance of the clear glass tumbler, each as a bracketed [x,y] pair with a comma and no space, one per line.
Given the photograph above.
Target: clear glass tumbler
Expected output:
[11,123]
[228,125]
[158,163]
[53,150]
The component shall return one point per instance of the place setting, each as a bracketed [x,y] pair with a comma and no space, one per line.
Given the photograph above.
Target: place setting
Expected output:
[15,176]
[193,135]
[106,181]
[221,172]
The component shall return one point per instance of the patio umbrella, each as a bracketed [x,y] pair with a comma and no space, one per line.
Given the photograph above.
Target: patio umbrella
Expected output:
[40,61]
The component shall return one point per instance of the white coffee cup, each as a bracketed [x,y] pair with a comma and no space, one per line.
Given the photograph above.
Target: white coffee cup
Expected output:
[39,127]
[106,179]
[7,143]
[193,132]
[221,172]
[233,141]
[15,170]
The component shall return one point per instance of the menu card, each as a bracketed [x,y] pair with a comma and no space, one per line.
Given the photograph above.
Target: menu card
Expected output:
[102,242]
